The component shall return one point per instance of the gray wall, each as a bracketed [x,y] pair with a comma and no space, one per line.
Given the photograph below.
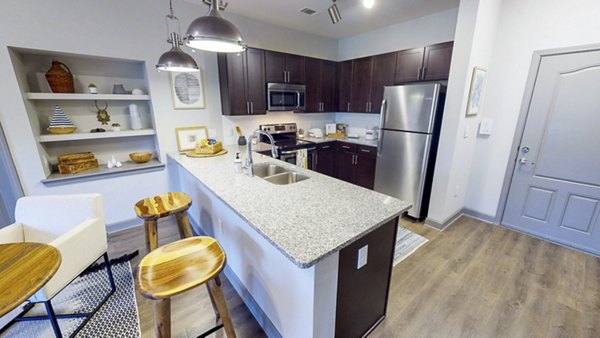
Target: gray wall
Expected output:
[10,189]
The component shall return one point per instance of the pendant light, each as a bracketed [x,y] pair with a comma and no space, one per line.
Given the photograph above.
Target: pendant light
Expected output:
[213,33]
[334,13]
[175,60]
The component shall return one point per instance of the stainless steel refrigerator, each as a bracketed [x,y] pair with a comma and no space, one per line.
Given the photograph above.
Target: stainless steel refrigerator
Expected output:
[407,146]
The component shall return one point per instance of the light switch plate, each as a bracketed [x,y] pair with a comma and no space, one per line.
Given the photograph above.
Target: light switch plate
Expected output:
[362,257]
[485,127]
[466,134]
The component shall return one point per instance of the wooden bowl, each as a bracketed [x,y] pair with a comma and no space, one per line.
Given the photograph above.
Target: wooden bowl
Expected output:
[142,157]
[65,130]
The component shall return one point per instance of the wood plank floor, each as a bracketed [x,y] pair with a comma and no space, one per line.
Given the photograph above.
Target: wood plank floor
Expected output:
[472,280]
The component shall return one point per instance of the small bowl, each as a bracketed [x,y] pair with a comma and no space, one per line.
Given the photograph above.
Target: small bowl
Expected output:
[142,157]
[63,130]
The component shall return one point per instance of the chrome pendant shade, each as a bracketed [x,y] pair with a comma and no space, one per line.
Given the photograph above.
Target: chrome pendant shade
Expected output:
[213,33]
[176,60]
[334,13]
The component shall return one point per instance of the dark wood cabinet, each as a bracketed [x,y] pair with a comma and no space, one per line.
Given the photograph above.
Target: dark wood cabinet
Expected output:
[356,164]
[242,82]
[383,75]
[325,158]
[284,68]
[361,84]
[320,85]
[436,61]
[424,64]
[344,85]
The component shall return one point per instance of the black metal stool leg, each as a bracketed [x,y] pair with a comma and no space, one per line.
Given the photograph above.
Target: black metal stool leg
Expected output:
[111,279]
[53,320]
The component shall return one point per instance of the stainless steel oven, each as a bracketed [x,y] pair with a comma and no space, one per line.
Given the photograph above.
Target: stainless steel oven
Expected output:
[285,97]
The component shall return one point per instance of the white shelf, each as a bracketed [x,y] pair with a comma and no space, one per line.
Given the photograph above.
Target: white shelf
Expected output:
[94,136]
[87,97]
[127,168]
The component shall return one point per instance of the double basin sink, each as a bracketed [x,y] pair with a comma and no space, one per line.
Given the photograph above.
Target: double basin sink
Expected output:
[277,174]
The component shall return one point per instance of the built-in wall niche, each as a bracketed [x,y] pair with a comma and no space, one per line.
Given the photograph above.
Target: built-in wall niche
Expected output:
[30,68]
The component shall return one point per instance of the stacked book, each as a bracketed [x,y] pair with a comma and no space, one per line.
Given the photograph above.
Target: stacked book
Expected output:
[77,162]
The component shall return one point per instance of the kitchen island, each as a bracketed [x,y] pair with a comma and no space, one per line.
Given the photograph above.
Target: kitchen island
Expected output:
[293,250]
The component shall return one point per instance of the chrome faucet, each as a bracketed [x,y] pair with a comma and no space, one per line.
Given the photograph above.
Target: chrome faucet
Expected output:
[249,161]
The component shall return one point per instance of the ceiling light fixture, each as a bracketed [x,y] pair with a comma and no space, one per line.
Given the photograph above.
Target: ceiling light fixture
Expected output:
[368,3]
[334,13]
[213,33]
[175,60]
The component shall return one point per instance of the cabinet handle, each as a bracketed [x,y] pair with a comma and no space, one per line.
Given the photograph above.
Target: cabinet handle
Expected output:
[423,74]
[348,107]
[365,151]
[316,159]
[419,73]
[346,147]
[325,147]
[252,108]
[247,108]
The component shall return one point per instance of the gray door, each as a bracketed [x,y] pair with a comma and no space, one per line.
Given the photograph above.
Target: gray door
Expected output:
[555,189]
[401,166]
[410,107]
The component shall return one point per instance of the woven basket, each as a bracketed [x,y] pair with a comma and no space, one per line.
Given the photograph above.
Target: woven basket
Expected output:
[60,80]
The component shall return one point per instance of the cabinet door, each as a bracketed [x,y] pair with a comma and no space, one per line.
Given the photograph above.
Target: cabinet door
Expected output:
[275,66]
[326,162]
[361,84]
[327,85]
[232,72]
[344,167]
[437,61]
[344,85]
[294,65]
[256,87]
[364,171]
[408,65]
[313,85]
[383,75]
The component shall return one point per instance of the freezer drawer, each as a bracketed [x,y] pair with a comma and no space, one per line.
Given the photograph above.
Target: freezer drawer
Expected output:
[402,166]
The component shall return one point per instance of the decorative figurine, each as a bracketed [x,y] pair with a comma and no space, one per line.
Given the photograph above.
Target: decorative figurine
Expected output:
[119,89]
[92,88]
[116,127]
[113,163]
[102,113]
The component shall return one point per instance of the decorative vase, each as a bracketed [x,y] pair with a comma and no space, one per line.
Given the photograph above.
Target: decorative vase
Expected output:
[59,79]
[134,115]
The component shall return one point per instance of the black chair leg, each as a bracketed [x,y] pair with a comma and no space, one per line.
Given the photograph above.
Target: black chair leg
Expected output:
[53,320]
[111,279]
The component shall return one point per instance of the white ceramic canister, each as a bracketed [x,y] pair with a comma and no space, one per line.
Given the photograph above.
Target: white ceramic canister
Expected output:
[134,114]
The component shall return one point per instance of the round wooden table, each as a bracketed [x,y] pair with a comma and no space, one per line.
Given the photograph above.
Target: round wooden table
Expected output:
[24,269]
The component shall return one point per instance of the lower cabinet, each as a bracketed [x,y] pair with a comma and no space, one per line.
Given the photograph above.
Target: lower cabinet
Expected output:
[325,159]
[356,164]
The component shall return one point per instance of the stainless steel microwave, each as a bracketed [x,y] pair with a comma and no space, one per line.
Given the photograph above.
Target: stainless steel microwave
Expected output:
[285,97]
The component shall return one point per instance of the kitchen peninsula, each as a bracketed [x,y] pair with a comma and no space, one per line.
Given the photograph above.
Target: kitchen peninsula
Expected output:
[310,259]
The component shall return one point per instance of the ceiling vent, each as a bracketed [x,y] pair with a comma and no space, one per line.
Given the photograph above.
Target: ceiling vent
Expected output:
[308,11]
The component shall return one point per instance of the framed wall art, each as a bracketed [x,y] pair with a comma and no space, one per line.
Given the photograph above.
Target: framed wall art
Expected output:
[187,90]
[476,91]
[187,137]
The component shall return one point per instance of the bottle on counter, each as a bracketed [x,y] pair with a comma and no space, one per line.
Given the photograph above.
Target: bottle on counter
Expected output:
[237,163]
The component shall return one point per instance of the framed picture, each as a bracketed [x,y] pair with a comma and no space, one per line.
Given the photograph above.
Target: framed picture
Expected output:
[187,90]
[187,137]
[476,91]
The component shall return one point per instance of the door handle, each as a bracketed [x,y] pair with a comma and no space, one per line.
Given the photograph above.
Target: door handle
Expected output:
[524,161]
[381,121]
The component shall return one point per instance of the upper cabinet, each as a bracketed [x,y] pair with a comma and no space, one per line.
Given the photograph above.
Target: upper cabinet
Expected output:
[384,66]
[242,82]
[361,84]
[284,68]
[344,85]
[369,76]
[424,64]
[320,85]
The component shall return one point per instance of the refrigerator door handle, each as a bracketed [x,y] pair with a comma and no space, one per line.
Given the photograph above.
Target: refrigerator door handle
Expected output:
[381,121]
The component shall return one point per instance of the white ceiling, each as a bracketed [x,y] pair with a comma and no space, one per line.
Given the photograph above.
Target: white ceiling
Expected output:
[356,18]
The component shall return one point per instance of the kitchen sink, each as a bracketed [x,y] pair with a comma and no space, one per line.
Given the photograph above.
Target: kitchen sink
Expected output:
[286,178]
[267,169]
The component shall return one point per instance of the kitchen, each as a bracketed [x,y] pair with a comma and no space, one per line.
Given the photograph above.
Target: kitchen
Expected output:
[471,169]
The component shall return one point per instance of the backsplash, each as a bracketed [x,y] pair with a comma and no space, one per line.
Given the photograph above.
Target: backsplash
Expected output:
[357,123]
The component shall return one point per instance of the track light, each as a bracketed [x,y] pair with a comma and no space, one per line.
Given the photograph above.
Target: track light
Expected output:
[334,13]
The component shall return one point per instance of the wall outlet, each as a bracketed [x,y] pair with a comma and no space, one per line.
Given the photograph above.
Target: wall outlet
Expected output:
[456,191]
[466,134]
[362,257]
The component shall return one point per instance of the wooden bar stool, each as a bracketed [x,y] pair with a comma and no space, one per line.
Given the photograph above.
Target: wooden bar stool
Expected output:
[177,267]
[153,208]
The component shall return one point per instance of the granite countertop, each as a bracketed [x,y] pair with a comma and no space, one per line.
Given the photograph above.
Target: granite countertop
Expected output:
[308,220]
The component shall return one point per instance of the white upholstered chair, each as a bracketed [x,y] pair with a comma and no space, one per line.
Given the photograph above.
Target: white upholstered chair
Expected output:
[74,224]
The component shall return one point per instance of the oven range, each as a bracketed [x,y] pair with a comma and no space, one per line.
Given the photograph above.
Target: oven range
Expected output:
[287,143]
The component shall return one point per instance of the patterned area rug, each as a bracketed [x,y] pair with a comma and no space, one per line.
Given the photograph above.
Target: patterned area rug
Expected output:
[118,317]
[407,242]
